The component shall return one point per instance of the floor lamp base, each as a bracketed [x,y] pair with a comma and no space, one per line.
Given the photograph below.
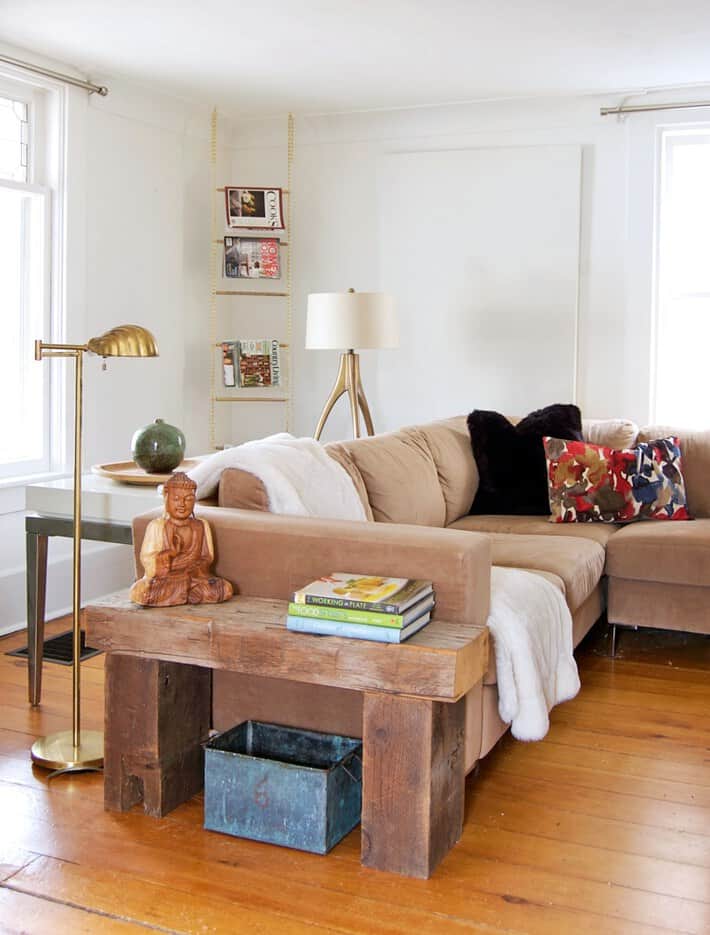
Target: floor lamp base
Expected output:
[57,751]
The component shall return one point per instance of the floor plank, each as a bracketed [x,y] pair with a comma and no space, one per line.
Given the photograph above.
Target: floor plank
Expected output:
[599,739]
[126,896]
[21,914]
[602,803]
[603,827]
[499,811]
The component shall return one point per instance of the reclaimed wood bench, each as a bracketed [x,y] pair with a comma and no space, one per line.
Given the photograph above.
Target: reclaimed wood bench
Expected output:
[158,711]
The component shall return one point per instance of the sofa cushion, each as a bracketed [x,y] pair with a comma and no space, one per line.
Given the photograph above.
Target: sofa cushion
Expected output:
[536,526]
[615,433]
[578,562]
[400,477]
[674,553]
[511,458]
[450,446]
[339,453]
[241,490]
[695,447]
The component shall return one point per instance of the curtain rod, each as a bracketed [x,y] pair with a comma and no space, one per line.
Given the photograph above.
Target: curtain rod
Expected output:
[48,73]
[638,108]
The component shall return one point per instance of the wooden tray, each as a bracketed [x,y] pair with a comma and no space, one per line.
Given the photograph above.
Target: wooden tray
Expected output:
[128,472]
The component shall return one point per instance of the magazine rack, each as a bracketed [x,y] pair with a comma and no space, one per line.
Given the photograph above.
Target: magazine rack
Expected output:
[219,297]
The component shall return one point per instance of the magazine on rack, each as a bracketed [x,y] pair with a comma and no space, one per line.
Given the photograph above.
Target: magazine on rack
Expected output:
[259,362]
[257,208]
[251,258]
[228,357]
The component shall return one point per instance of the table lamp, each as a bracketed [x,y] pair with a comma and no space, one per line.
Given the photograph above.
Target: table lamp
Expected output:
[76,750]
[338,320]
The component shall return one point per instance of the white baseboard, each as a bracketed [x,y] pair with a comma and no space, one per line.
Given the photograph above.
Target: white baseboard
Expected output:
[104,568]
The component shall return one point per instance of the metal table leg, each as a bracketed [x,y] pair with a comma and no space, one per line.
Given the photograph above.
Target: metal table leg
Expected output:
[36,545]
[38,529]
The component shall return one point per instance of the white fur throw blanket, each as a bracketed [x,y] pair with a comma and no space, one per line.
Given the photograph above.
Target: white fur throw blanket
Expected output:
[300,478]
[532,635]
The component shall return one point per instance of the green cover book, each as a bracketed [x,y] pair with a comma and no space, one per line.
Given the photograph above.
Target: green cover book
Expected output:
[365,617]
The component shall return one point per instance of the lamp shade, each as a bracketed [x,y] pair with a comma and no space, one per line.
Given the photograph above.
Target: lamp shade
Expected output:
[124,341]
[338,320]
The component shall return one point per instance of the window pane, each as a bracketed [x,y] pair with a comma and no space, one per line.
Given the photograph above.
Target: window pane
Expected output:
[683,326]
[13,140]
[687,220]
[21,299]
[681,382]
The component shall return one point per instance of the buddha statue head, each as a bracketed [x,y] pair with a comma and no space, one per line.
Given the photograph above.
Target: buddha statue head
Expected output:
[179,495]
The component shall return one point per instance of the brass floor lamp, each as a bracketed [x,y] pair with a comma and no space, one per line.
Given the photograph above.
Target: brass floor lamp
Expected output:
[76,749]
[338,320]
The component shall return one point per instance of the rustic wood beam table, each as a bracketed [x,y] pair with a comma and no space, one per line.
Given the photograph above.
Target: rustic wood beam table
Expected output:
[158,711]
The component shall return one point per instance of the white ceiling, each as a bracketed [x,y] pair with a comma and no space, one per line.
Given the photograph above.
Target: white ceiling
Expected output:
[312,56]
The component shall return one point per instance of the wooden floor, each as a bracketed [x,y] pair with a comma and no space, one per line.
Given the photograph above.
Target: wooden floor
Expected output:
[602,828]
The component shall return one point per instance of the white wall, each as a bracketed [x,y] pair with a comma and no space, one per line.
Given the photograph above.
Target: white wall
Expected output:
[336,242]
[138,251]
[480,249]
[147,263]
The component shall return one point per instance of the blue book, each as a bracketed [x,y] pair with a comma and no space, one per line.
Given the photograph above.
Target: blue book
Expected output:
[358,631]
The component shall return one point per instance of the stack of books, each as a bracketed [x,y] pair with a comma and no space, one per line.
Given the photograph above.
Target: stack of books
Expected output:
[365,607]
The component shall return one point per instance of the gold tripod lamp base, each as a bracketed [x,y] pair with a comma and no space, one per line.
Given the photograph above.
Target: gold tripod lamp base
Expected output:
[57,751]
[348,381]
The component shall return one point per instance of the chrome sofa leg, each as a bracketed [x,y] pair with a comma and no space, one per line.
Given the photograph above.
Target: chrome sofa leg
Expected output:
[613,640]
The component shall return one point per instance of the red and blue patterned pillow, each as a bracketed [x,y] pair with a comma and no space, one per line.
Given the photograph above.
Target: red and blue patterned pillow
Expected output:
[593,483]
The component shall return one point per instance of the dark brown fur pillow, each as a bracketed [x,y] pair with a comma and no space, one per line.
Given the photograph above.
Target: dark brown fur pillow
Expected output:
[511,458]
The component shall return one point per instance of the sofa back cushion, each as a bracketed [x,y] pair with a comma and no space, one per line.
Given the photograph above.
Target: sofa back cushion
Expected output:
[423,470]
[695,455]
[338,452]
[613,433]
[400,477]
[450,446]
[241,490]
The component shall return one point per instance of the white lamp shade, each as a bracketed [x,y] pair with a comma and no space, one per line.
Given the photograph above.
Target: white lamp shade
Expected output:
[340,320]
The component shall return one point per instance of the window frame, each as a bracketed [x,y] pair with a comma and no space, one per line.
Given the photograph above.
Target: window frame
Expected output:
[46,101]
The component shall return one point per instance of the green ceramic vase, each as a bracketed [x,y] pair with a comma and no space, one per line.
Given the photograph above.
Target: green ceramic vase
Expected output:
[158,448]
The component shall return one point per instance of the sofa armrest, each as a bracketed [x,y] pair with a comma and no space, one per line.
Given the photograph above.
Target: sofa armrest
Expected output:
[268,555]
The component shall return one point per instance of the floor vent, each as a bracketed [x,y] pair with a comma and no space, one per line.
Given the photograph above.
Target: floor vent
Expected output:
[59,649]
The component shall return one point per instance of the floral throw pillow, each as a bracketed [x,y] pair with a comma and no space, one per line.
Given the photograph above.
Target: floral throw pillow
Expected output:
[593,483]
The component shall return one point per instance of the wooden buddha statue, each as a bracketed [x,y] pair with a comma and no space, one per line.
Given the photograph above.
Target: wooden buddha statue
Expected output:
[177,553]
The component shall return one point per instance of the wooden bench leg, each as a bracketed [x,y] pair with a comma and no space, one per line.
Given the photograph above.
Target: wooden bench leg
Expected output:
[413,782]
[157,716]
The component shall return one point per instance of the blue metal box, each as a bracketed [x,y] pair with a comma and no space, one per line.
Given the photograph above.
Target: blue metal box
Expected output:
[285,786]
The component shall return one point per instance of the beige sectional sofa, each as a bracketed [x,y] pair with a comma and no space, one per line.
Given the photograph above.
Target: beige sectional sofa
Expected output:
[417,486]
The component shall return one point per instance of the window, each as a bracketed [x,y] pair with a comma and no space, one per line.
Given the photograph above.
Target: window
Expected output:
[13,139]
[683,296]
[24,282]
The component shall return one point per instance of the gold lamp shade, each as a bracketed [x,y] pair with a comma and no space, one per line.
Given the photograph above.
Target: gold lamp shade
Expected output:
[124,341]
